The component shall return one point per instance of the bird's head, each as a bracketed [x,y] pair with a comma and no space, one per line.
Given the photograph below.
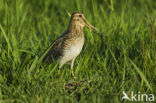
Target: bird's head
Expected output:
[78,21]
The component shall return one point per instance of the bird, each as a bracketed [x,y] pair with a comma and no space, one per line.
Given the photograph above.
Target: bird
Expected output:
[69,45]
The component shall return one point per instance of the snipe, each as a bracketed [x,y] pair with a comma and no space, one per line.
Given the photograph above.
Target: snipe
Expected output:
[69,45]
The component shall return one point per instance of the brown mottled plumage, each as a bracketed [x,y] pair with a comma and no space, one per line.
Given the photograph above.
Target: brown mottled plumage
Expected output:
[69,45]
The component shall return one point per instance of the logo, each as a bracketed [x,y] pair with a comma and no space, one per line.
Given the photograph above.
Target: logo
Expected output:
[138,97]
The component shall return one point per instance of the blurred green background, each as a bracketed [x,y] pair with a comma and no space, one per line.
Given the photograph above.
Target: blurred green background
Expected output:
[122,58]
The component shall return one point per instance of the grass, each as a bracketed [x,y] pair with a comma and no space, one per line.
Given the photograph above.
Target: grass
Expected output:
[121,58]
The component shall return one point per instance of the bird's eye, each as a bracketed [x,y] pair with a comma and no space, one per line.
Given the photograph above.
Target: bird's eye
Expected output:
[80,15]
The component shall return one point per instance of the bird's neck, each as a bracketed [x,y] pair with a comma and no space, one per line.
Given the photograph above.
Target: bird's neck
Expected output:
[75,28]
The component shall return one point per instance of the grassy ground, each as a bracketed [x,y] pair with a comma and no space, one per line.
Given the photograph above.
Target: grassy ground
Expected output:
[122,58]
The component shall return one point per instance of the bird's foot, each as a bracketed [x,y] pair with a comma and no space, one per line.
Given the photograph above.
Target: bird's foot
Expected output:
[74,77]
[73,74]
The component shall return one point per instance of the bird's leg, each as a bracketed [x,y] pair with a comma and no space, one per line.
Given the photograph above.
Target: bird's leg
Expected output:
[72,63]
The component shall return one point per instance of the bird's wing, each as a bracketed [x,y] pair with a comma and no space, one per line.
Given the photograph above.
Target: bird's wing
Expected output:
[56,50]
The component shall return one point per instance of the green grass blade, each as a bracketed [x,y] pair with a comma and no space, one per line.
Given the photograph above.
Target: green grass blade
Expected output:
[141,74]
[43,55]
[33,65]
[6,38]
